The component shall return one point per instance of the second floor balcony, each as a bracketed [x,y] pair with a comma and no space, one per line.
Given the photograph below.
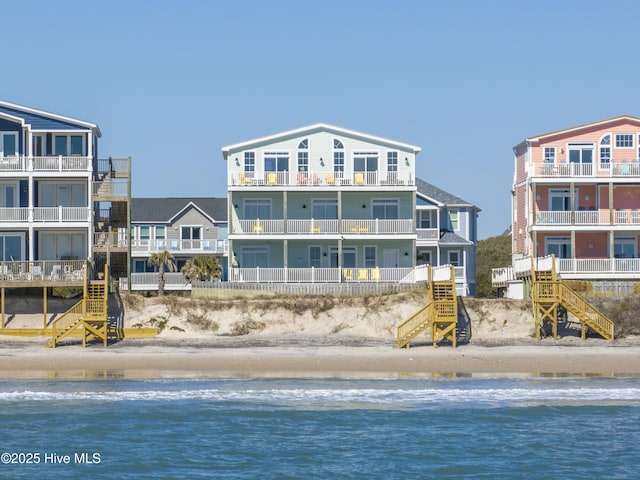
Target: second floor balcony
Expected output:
[45,214]
[595,217]
[319,227]
[57,163]
[191,247]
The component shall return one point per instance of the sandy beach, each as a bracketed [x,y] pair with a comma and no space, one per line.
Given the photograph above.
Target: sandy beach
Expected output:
[268,338]
[351,358]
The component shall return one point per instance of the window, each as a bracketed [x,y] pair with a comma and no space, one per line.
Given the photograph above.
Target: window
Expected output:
[191,236]
[349,257]
[11,247]
[580,153]
[560,200]
[160,232]
[65,195]
[249,163]
[605,150]
[304,144]
[624,140]
[253,257]
[324,209]
[425,219]
[455,258]
[276,162]
[370,257]
[392,161]
[338,158]
[338,163]
[453,220]
[549,155]
[8,195]
[624,248]
[144,232]
[9,143]
[365,161]
[558,246]
[68,145]
[37,145]
[303,161]
[257,208]
[423,257]
[315,256]
[385,209]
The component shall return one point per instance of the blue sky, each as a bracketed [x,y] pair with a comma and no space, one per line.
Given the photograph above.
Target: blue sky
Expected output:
[170,83]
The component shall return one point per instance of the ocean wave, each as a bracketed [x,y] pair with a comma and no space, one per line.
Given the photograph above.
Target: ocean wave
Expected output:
[350,396]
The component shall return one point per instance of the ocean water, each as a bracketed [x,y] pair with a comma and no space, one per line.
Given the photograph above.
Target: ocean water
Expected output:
[567,427]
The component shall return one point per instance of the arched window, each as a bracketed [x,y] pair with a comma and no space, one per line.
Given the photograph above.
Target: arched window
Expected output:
[338,158]
[303,156]
[605,151]
[304,144]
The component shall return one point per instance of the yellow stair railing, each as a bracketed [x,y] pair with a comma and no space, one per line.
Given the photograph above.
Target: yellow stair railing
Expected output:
[440,314]
[90,314]
[549,292]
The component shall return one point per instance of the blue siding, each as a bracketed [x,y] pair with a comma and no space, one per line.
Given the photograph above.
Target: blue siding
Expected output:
[39,122]
[9,126]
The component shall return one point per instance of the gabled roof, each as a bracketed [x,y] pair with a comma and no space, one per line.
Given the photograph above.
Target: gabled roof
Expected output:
[318,127]
[579,128]
[440,197]
[165,210]
[41,120]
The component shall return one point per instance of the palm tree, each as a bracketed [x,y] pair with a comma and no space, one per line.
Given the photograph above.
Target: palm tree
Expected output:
[202,268]
[164,261]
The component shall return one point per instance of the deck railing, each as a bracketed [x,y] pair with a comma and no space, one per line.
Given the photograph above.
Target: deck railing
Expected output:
[588,217]
[34,270]
[51,163]
[320,179]
[188,246]
[620,168]
[428,233]
[312,226]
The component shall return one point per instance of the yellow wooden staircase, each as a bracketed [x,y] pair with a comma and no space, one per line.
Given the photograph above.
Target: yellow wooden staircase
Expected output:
[88,315]
[440,314]
[549,292]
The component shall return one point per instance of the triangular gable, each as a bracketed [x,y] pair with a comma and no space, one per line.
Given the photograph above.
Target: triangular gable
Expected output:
[599,125]
[189,206]
[311,129]
[29,116]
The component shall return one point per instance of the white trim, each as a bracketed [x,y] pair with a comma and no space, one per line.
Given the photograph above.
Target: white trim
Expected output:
[51,115]
[539,138]
[615,140]
[183,209]
[308,130]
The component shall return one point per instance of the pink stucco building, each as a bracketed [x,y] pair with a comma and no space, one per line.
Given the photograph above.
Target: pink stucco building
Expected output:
[576,194]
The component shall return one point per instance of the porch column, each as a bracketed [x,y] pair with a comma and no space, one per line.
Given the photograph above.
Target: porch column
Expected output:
[285,253]
[573,248]
[535,244]
[611,213]
[534,196]
[612,241]
[572,193]
[32,242]
[44,306]
[285,214]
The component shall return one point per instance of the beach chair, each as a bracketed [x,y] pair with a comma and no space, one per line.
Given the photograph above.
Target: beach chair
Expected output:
[375,274]
[359,179]
[363,274]
[272,178]
[331,179]
[347,274]
[257,228]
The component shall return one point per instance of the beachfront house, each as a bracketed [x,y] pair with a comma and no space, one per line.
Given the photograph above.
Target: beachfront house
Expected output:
[576,195]
[321,204]
[60,206]
[446,227]
[326,204]
[185,227]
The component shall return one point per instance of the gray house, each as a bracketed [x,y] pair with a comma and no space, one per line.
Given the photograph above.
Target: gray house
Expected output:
[446,227]
[186,227]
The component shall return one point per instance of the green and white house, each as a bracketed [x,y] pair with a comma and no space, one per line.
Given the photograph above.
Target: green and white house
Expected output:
[326,204]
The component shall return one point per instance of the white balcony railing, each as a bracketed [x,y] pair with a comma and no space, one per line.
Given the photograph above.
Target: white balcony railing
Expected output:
[588,217]
[55,163]
[317,275]
[299,226]
[180,246]
[45,214]
[621,168]
[61,214]
[320,179]
[598,266]
[428,233]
